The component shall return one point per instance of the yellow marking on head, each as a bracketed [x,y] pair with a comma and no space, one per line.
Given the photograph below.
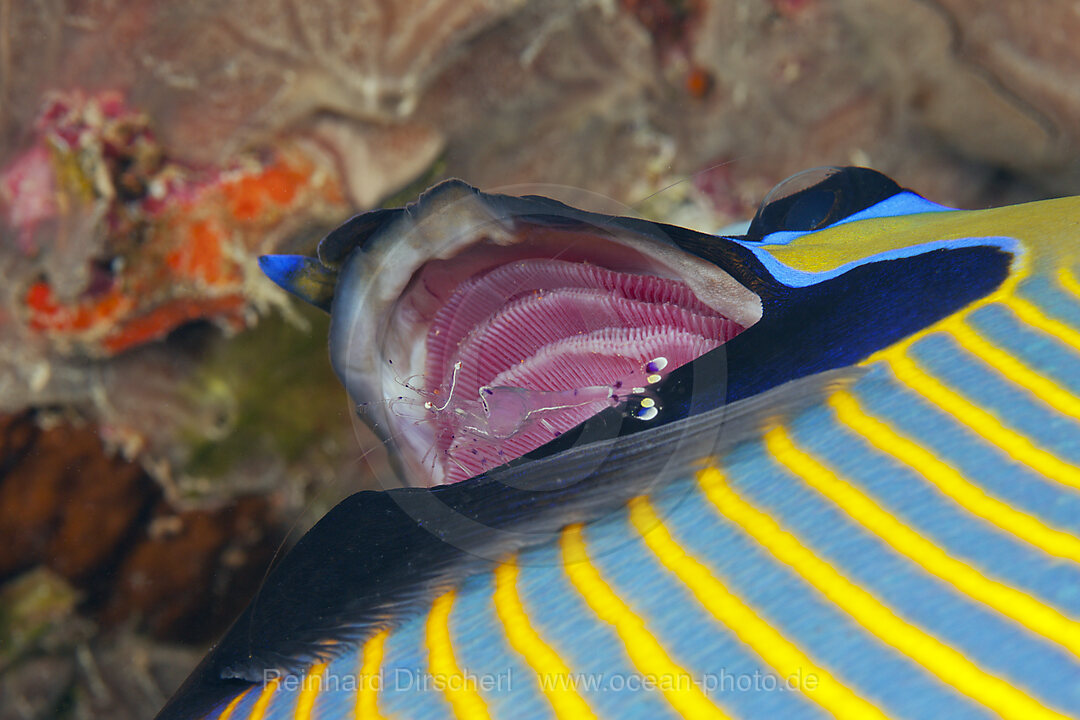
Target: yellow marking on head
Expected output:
[231,707]
[367,691]
[263,701]
[310,687]
[950,482]
[1020,607]
[1015,445]
[647,655]
[1047,231]
[775,649]
[553,674]
[940,659]
[460,691]
[1051,221]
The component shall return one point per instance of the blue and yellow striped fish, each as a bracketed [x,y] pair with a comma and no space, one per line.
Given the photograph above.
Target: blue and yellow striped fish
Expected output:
[865,503]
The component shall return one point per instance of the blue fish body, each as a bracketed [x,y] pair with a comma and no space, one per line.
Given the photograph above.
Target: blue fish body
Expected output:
[867,505]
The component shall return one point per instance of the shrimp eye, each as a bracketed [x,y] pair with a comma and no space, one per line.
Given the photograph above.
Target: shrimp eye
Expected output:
[816,198]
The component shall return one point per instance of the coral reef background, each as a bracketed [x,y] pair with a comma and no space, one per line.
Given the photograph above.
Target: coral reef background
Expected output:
[168,418]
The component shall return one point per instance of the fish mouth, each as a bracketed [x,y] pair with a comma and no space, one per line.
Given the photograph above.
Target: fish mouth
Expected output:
[476,328]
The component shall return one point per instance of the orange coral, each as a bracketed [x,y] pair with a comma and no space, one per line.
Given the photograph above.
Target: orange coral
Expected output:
[698,82]
[161,320]
[201,257]
[249,197]
[186,266]
[48,314]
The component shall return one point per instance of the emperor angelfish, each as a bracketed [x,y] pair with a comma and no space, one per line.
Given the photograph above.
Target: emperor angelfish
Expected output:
[828,467]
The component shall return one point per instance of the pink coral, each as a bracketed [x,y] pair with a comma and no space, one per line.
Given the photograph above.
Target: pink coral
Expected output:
[28,194]
[140,243]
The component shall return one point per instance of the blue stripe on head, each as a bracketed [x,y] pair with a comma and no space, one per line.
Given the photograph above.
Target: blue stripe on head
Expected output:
[282,269]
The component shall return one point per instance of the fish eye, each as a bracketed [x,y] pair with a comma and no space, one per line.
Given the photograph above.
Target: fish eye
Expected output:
[816,198]
[811,209]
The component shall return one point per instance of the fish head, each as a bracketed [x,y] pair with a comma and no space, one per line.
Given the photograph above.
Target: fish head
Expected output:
[473,329]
